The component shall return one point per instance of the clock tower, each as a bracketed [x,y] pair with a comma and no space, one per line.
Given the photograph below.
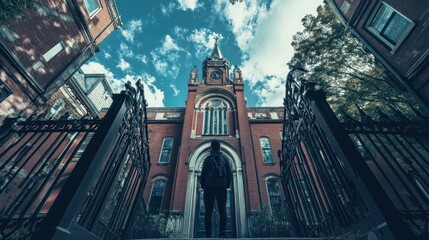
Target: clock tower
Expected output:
[216,67]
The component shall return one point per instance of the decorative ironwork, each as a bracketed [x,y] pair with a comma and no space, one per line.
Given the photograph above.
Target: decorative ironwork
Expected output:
[346,178]
[325,200]
[90,169]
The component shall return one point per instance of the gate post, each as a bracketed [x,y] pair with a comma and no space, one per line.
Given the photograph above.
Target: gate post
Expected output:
[65,208]
[385,215]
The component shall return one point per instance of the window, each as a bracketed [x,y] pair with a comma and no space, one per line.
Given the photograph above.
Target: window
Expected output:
[92,6]
[156,196]
[267,154]
[274,195]
[4,91]
[390,26]
[56,108]
[53,51]
[215,118]
[167,146]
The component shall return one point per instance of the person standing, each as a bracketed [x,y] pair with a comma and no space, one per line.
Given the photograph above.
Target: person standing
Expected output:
[215,180]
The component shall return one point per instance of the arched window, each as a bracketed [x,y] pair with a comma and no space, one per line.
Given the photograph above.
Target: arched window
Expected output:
[215,118]
[267,153]
[167,146]
[274,194]
[156,196]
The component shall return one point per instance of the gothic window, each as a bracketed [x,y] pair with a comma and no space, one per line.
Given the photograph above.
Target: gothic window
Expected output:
[167,146]
[267,153]
[215,121]
[389,25]
[156,196]
[274,194]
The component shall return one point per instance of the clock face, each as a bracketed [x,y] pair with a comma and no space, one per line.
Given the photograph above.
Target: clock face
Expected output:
[216,75]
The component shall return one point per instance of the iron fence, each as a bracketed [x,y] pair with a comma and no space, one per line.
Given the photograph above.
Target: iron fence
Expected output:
[74,178]
[352,178]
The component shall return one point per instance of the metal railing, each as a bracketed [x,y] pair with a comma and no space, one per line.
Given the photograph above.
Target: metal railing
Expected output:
[352,177]
[79,178]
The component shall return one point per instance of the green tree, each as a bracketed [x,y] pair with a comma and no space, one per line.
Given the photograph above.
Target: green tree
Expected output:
[13,9]
[338,63]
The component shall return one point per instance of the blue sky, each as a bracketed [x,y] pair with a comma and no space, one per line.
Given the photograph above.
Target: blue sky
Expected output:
[160,42]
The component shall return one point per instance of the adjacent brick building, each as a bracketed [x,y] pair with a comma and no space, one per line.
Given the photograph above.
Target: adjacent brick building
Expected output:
[180,140]
[396,32]
[40,52]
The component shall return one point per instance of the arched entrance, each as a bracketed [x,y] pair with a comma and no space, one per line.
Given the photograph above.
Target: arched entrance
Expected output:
[192,193]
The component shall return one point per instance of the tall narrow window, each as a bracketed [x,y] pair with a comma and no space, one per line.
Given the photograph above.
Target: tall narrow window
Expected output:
[274,195]
[167,146]
[389,25]
[267,153]
[4,91]
[215,118]
[92,6]
[156,196]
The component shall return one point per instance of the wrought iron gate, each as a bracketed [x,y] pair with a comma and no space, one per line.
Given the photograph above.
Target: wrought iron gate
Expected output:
[74,178]
[353,178]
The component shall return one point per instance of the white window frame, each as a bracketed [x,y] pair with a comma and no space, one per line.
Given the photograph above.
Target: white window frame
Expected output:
[276,180]
[93,12]
[379,35]
[219,120]
[165,148]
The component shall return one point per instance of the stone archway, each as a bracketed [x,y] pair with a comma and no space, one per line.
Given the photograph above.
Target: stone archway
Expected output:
[195,163]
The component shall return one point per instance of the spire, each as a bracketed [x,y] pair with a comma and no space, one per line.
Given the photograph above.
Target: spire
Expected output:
[216,53]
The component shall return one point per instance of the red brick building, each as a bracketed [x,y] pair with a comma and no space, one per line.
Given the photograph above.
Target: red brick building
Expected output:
[180,140]
[396,33]
[40,52]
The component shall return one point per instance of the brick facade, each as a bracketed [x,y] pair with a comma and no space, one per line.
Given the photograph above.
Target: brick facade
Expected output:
[240,143]
[41,51]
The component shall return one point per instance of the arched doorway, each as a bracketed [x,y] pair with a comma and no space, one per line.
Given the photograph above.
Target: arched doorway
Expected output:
[237,200]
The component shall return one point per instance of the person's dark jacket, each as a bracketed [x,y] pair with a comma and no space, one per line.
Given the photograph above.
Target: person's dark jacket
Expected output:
[216,171]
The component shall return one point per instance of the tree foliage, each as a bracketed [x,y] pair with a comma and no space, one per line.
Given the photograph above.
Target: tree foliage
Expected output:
[14,9]
[340,66]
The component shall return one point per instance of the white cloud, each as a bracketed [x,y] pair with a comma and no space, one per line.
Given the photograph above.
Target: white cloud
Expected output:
[168,9]
[123,65]
[189,4]
[132,27]
[180,32]
[264,35]
[203,40]
[107,55]
[124,50]
[175,90]
[167,58]
[142,58]
[169,45]
[154,96]
[242,18]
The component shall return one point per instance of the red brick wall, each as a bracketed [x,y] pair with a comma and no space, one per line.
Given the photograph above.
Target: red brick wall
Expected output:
[270,130]
[156,136]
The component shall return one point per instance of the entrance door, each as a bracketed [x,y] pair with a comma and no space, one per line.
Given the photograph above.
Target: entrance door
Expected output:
[200,213]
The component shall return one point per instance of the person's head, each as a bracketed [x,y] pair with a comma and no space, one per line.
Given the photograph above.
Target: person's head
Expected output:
[215,145]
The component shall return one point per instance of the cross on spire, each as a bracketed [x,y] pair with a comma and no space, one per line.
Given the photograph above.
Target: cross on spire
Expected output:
[216,53]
